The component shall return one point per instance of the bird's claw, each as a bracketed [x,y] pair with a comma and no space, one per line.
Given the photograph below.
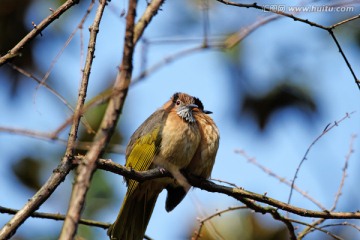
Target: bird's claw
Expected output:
[162,170]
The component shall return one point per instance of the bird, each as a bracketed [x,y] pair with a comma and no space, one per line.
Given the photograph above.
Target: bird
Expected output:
[175,138]
[204,159]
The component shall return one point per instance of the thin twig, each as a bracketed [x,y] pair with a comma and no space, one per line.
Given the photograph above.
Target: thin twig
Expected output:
[197,233]
[58,55]
[268,9]
[235,38]
[166,60]
[326,130]
[314,227]
[342,224]
[344,172]
[344,21]
[357,81]
[56,94]
[29,133]
[223,181]
[111,148]
[38,80]
[57,217]
[338,194]
[206,25]
[306,21]
[60,217]
[253,161]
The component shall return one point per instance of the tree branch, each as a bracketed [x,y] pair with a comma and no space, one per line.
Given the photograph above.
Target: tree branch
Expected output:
[145,19]
[15,51]
[236,193]
[326,130]
[57,217]
[107,126]
[80,187]
[329,29]
[39,198]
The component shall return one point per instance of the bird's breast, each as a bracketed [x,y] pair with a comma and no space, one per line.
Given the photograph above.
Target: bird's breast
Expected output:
[180,139]
[204,159]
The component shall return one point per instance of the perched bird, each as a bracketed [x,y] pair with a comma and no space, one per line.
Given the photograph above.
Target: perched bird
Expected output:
[203,161]
[174,138]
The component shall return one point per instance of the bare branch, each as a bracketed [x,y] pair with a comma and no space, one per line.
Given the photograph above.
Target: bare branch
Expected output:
[55,93]
[57,217]
[281,179]
[39,198]
[338,194]
[344,21]
[268,9]
[357,81]
[114,108]
[237,193]
[77,197]
[313,226]
[344,172]
[306,21]
[326,130]
[145,19]
[79,26]
[60,217]
[15,51]
[197,233]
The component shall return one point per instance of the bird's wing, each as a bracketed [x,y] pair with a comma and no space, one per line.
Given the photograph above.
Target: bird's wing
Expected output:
[144,145]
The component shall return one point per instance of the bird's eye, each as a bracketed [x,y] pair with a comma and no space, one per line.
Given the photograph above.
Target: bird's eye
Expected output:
[178,102]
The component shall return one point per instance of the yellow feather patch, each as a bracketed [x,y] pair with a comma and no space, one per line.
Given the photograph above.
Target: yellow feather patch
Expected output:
[142,155]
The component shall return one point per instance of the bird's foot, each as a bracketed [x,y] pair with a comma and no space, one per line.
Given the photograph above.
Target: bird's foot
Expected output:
[162,170]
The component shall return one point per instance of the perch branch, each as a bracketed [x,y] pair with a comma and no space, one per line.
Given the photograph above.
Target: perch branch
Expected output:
[236,193]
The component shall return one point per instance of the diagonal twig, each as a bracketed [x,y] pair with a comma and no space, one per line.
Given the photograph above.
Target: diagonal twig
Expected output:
[328,128]
[15,51]
[338,194]
[281,179]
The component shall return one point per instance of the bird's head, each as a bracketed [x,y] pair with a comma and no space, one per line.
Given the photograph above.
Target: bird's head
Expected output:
[184,105]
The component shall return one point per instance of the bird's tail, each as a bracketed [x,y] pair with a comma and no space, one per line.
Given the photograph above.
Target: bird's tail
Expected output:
[134,216]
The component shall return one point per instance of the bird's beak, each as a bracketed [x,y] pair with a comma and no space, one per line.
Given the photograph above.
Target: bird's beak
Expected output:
[207,112]
[192,106]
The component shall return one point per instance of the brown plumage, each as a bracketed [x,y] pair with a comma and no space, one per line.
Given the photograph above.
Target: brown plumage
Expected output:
[203,161]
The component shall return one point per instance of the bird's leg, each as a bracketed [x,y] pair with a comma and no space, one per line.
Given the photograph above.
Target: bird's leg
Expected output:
[179,177]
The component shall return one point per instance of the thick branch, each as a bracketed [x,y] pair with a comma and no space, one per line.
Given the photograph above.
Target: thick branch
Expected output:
[77,197]
[237,193]
[145,19]
[107,126]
